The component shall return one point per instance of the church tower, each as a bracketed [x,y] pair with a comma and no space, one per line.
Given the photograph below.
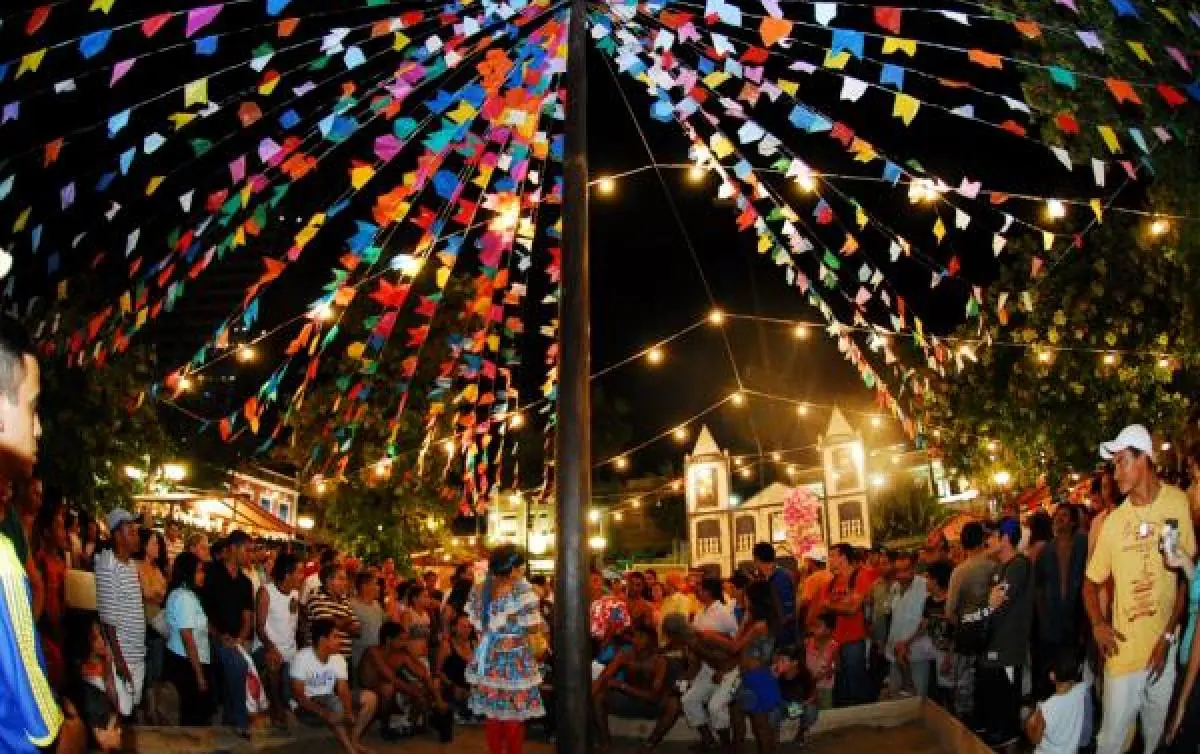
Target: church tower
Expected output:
[843,465]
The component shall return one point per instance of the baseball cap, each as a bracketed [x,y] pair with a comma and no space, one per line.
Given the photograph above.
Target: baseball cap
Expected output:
[116,517]
[1009,527]
[1134,436]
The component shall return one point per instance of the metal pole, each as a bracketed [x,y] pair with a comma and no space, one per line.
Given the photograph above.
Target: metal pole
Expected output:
[573,457]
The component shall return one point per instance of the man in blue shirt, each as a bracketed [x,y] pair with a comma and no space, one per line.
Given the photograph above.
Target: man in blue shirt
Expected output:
[30,718]
[784,589]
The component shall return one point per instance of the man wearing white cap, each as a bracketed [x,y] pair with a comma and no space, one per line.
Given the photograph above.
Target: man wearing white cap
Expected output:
[119,603]
[1148,598]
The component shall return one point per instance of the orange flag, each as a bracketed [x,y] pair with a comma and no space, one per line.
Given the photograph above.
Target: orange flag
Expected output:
[774,29]
[1122,91]
[985,59]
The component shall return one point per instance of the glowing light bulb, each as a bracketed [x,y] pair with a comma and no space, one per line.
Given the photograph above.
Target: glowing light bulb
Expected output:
[621,463]
[800,332]
[716,317]
[1044,357]
[1110,359]
[655,356]
[246,354]
[922,190]
[618,516]
[680,434]
[1159,226]
[324,312]
[696,174]
[1164,363]
[594,516]
[185,384]
[801,409]
[606,186]
[747,473]
[1055,209]
[516,421]
[635,503]
[806,180]
[737,399]
[876,421]
[776,456]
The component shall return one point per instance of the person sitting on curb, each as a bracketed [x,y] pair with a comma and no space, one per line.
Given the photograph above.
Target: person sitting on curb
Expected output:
[321,688]
[713,672]
[634,685]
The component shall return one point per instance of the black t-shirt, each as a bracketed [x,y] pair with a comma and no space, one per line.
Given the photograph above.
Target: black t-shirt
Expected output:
[225,598]
[1012,621]
[936,624]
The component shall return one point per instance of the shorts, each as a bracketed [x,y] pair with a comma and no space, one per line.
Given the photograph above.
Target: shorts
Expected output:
[631,707]
[331,703]
[760,693]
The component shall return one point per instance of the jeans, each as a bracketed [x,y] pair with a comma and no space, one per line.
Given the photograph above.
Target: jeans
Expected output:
[233,686]
[852,685]
[277,683]
[195,706]
[998,700]
[1132,694]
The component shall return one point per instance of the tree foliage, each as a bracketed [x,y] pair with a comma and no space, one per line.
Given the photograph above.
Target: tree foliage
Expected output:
[905,511]
[1106,335]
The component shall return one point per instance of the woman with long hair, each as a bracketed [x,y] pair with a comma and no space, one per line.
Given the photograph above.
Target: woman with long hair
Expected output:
[188,662]
[151,559]
[51,545]
[504,671]
[455,653]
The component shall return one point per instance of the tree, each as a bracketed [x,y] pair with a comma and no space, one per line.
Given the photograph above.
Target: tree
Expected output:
[96,421]
[1107,334]
[907,511]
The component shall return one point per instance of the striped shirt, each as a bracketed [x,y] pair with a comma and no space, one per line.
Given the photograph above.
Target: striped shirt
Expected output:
[323,605]
[119,602]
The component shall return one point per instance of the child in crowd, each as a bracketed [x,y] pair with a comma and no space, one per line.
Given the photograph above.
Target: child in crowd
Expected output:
[98,693]
[820,657]
[1056,726]
[938,628]
[799,691]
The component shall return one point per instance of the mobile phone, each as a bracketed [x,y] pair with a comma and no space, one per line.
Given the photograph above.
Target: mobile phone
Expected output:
[1170,536]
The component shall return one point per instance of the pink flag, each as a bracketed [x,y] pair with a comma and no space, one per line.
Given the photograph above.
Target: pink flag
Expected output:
[198,18]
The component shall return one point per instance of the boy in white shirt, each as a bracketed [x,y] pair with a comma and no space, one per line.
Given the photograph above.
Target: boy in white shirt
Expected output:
[1056,726]
[321,689]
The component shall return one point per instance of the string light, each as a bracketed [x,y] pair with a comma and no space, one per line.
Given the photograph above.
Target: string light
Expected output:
[696,174]
[791,470]
[747,473]
[800,332]
[606,186]
[1159,226]
[594,516]
[776,457]
[716,317]
[806,180]
[1164,363]
[922,190]
[801,410]
[1055,209]
[876,421]
[621,463]
[324,312]
[655,356]
[1110,359]
[618,516]
[680,434]
[185,384]
[635,503]
[382,467]
[1166,446]
[448,446]
[737,399]
[246,354]
[516,421]
[1044,357]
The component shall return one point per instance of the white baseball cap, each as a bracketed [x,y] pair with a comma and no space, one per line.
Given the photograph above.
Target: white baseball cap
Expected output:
[1134,436]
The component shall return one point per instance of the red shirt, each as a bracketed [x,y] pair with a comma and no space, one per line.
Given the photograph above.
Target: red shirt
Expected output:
[849,628]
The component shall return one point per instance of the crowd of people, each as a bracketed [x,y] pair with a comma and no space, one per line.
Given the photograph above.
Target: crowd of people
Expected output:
[1068,627]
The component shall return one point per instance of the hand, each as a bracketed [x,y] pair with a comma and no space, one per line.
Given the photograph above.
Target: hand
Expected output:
[1106,639]
[109,738]
[998,597]
[1158,658]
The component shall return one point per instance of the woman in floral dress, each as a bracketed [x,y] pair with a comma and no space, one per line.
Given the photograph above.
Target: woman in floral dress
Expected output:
[504,673]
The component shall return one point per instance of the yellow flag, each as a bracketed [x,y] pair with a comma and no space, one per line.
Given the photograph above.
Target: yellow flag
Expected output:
[493,342]
[905,107]
[898,44]
[720,146]
[239,237]
[355,350]
[1047,240]
[764,244]
[1110,139]
[104,6]
[939,230]
[195,93]
[715,79]
[22,219]
[791,87]
[1098,209]
[268,86]
[153,185]
[179,120]
[462,113]
[1170,15]
[838,61]
[30,62]
[400,41]
[141,317]
[860,217]
[1139,49]
[126,303]
[360,175]
[862,150]
[443,274]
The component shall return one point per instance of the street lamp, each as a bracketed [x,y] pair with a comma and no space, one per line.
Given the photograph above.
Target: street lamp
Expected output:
[1002,478]
[133,472]
[174,472]
[305,522]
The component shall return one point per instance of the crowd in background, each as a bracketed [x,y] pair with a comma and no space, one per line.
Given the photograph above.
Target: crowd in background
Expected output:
[1073,627]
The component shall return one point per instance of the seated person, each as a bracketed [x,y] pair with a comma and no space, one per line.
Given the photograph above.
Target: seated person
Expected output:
[455,654]
[321,689]
[394,668]
[710,680]
[634,685]
[799,690]
[98,694]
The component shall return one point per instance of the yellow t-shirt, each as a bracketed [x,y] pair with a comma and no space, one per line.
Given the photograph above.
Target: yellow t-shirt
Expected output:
[680,603]
[1143,586]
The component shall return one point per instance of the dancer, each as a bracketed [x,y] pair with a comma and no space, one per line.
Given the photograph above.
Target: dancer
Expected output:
[504,672]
